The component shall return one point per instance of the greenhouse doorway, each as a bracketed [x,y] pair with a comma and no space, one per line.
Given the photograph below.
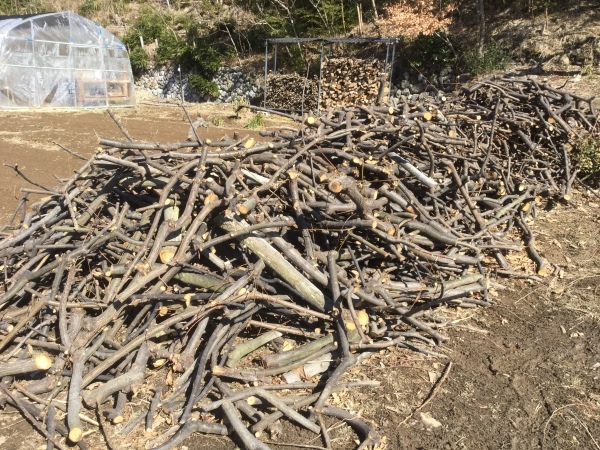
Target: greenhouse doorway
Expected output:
[62,60]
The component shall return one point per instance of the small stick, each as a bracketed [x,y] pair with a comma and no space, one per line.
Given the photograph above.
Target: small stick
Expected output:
[242,405]
[288,411]
[289,356]
[118,122]
[32,419]
[74,401]
[193,128]
[50,425]
[240,429]
[152,409]
[127,380]
[547,424]
[104,429]
[247,347]
[283,329]
[19,172]
[431,396]
[193,426]
[348,359]
[53,403]
[264,374]
[115,415]
[133,423]
[324,432]
[70,152]
[586,429]
[371,437]
[284,444]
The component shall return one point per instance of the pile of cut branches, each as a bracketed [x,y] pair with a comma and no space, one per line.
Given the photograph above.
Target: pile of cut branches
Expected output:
[232,284]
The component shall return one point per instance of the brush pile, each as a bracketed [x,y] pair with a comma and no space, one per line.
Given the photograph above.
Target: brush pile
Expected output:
[231,285]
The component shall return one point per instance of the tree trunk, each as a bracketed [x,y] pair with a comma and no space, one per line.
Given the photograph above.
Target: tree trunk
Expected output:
[480,26]
[375,10]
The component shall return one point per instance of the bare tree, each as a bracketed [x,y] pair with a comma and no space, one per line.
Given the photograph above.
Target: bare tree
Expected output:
[289,6]
[480,26]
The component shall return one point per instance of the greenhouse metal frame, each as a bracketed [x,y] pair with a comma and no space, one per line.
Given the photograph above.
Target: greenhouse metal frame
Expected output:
[62,60]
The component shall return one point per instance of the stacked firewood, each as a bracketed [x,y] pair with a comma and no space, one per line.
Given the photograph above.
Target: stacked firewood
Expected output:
[230,285]
[292,92]
[351,81]
[345,81]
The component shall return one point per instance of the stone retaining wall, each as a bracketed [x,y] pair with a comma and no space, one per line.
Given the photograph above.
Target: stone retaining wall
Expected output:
[236,86]
[168,83]
[409,87]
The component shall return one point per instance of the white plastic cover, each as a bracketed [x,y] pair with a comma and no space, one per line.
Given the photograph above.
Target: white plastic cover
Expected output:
[62,60]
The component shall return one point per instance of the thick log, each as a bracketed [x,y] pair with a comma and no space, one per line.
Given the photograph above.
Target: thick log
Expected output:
[40,362]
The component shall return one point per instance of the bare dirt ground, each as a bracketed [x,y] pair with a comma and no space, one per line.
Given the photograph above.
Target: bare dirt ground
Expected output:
[524,374]
[30,139]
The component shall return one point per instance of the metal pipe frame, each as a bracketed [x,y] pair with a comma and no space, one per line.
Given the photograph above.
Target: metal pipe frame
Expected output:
[388,67]
[320,77]
[266,72]
[392,67]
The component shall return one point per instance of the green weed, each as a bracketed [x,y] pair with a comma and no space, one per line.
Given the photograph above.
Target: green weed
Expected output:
[587,157]
[494,57]
[257,121]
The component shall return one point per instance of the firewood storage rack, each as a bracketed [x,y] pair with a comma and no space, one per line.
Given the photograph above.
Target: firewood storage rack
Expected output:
[390,56]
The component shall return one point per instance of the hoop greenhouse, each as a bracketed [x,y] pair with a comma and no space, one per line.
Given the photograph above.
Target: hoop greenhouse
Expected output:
[62,60]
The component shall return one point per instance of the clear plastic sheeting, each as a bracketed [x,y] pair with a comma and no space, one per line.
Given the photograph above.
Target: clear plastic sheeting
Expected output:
[62,60]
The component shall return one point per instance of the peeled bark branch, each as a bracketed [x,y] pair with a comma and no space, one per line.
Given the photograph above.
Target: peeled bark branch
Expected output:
[275,261]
